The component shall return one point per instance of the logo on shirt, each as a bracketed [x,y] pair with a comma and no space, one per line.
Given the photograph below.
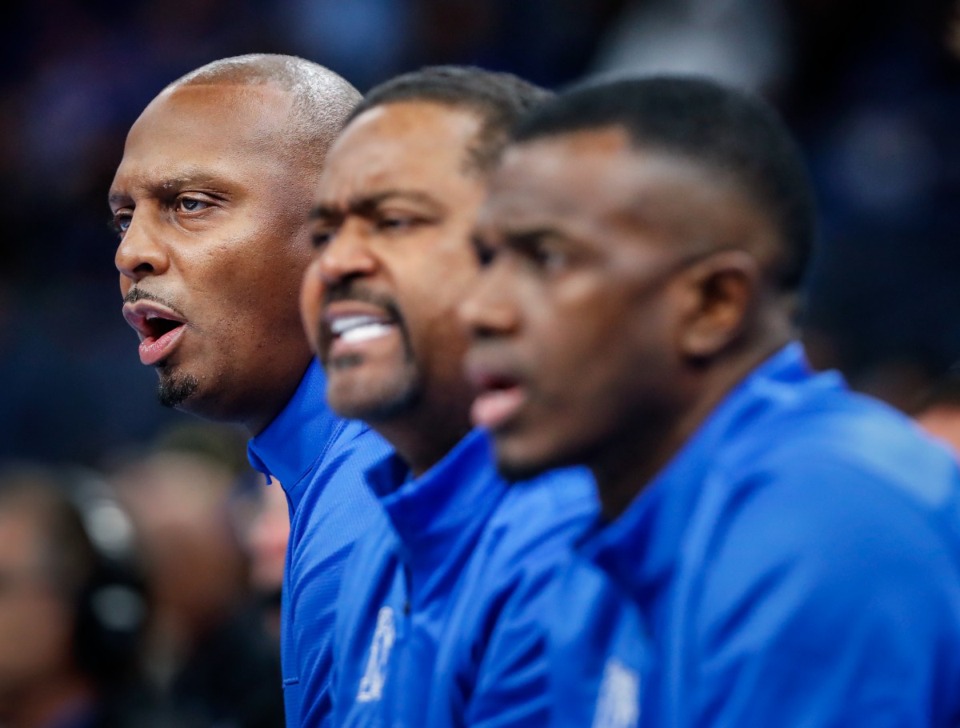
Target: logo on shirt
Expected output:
[618,704]
[371,684]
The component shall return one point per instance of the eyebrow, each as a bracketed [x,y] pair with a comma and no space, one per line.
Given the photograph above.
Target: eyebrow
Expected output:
[185,179]
[526,237]
[364,206]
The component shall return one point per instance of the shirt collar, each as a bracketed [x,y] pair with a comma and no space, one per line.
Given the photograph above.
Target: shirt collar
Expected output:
[640,548]
[299,436]
[447,502]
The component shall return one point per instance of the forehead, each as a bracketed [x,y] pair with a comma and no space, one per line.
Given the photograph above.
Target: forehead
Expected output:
[584,179]
[401,143]
[206,126]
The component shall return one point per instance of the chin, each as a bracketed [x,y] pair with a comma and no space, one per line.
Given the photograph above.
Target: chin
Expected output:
[173,391]
[514,462]
[372,409]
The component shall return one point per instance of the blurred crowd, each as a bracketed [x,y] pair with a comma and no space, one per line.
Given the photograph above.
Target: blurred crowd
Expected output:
[146,594]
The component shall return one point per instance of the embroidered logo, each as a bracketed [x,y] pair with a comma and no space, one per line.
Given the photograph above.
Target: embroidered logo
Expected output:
[371,684]
[618,704]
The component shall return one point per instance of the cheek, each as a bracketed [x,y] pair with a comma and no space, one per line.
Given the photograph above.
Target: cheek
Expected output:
[311,295]
[569,342]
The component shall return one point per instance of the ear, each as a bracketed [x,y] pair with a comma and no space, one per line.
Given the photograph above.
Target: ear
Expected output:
[722,292]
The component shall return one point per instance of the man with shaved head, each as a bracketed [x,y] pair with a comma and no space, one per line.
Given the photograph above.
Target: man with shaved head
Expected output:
[211,203]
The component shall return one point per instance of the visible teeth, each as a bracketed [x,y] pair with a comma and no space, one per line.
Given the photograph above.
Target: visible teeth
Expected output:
[359,328]
[365,332]
[338,326]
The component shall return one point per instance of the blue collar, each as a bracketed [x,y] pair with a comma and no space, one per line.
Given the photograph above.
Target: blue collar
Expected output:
[445,504]
[641,548]
[298,438]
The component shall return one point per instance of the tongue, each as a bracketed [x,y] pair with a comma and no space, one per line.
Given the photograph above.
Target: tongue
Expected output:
[156,348]
[493,408]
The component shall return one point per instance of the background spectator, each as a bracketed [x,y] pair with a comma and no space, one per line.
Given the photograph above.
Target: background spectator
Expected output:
[72,603]
[211,660]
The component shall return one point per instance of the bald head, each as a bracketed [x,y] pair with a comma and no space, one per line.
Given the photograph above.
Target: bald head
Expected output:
[321,99]
[211,201]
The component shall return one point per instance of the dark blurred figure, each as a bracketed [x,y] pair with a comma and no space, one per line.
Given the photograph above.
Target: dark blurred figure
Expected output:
[885,311]
[265,529]
[210,659]
[72,605]
[875,98]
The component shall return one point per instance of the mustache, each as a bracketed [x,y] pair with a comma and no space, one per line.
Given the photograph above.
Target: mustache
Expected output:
[135,294]
[354,291]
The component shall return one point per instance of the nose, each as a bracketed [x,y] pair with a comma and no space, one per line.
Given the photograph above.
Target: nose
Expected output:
[489,309]
[139,253]
[346,255]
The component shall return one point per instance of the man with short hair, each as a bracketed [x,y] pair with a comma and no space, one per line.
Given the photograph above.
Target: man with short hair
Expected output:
[790,552]
[211,201]
[439,615]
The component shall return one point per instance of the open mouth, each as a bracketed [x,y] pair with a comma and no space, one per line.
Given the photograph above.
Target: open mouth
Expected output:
[158,327]
[351,327]
[356,329]
[499,398]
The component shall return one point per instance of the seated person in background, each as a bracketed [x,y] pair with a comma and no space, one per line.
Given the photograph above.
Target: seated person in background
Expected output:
[438,621]
[791,549]
[265,533]
[72,603]
[210,659]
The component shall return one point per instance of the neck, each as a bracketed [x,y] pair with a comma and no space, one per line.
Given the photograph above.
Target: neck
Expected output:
[424,440]
[632,458]
[268,410]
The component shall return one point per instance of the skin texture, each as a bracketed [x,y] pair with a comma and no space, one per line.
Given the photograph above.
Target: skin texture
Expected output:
[212,218]
[622,295]
[395,208]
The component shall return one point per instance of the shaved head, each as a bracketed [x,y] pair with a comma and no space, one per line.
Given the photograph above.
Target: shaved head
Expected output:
[321,99]
[212,201]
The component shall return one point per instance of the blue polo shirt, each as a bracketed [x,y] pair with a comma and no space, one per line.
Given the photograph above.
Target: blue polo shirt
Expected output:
[319,460]
[440,614]
[796,564]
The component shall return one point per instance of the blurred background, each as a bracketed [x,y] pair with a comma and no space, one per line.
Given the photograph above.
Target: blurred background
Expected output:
[871,88]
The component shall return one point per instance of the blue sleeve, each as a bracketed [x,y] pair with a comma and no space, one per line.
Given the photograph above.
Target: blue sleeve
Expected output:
[829,599]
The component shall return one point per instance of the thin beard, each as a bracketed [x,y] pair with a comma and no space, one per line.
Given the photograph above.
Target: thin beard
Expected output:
[172,392]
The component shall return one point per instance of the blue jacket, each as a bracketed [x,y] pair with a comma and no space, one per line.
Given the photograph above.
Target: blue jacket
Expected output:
[439,620]
[319,460]
[796,564]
